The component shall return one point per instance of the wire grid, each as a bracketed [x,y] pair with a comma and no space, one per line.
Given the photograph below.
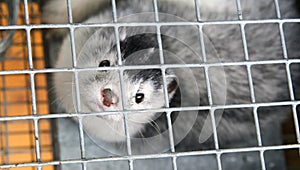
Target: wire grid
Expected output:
[17,138]
[35,118]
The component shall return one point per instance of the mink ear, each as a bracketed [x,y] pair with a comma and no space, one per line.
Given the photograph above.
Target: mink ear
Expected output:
[172,86]
[122,33]
[172,82]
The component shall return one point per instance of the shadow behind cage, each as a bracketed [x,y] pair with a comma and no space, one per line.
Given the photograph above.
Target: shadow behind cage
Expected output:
[30,140]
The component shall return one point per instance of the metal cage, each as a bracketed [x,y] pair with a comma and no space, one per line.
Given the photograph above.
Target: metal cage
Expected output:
[31,138]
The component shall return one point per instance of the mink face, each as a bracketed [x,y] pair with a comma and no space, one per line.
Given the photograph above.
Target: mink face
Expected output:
[100,90]
[135,50]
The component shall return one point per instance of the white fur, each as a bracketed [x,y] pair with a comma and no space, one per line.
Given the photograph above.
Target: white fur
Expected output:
[111,127]
[98,49]
[91,48]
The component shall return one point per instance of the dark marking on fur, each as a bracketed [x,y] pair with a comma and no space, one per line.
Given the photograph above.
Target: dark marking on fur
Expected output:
[138,42]
[149,75]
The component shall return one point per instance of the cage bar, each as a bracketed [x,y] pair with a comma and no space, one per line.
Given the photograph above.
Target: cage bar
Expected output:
[35,117]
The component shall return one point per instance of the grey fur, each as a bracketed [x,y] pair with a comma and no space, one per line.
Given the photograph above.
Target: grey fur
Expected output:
[223,44]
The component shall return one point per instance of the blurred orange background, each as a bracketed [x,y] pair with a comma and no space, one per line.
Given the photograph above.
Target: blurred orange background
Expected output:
[17,137]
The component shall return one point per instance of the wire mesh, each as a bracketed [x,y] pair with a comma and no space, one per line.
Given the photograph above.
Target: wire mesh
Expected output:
[24,110]
[18,138]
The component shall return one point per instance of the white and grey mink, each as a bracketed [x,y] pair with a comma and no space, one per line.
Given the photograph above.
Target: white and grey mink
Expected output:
[143,89]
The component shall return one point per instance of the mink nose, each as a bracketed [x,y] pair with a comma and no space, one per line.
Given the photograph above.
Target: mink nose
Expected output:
[109,97]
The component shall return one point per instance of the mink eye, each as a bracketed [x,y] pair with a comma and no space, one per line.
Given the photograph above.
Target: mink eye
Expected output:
[104,63]
[139,97]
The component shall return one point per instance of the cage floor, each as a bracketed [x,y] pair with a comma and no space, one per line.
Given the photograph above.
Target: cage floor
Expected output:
[17,143]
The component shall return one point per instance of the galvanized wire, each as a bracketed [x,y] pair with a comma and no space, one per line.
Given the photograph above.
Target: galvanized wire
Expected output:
[121,68]
[13,7]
